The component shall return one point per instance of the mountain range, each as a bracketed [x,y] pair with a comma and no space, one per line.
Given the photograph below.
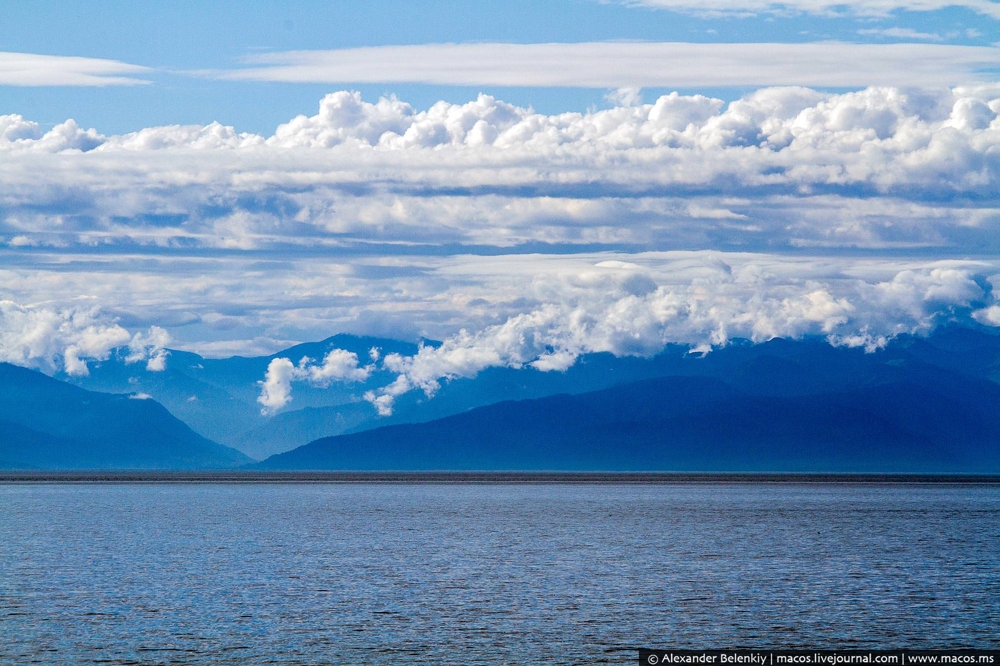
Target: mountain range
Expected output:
[901,425]
[218,397]
[49,424]
[921,404]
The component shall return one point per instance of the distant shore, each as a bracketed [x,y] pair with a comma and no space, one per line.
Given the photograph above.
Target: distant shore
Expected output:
[498,478]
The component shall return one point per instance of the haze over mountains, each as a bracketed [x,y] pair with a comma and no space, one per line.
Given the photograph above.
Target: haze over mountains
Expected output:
[48,424]
[919,405]
[691,424]
[218,397]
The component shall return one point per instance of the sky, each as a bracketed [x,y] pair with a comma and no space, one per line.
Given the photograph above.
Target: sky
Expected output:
[525,182]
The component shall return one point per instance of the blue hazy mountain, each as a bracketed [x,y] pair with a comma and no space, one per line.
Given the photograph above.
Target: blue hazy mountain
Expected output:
[288,430]
[920,420]
[777,368]
[49,424]
[218,397]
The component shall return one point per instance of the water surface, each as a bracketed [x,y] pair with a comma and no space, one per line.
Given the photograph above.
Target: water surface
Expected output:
[333,573]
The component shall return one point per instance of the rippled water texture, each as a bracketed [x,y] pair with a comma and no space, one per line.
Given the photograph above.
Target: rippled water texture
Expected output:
[489,574]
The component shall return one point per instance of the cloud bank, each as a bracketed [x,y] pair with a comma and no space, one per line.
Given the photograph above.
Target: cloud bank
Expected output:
[518,238]
[630,310]
[637,64]
[642,323]
[782,167]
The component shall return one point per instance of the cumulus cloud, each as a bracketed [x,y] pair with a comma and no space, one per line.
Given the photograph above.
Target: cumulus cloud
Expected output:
[276,389]
[989,316]
[32,69]
[66,339]
[150,347]
[338,365]
[820,7]
[197,137]
[684,169]
[17,134]
[630,64]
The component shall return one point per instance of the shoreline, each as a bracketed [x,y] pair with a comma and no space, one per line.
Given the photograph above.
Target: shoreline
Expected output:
[478,477]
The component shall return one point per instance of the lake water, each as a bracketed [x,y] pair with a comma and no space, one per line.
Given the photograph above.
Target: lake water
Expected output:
[491,574]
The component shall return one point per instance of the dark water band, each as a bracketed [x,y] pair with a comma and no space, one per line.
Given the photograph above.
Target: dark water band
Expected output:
[505,478]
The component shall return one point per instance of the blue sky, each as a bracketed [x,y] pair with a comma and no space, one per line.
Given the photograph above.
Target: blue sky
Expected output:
[527,182]
[177,38]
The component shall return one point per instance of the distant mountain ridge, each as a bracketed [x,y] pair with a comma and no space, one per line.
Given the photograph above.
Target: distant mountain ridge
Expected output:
[903,424]
[218,397]
[49,424]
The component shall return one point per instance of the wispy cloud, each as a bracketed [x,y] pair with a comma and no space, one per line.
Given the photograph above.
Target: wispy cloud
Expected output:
[631,64]
[32,69]
[900,33]
[820,7]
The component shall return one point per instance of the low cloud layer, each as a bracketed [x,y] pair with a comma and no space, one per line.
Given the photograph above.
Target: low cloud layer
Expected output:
[67,339]
[620,307]
[704,315]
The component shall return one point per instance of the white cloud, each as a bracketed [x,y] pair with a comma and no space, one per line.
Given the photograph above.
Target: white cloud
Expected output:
[66,339]
[338,365]
[342,116]
[637,317]
[259,346]
[989,316]
[276,389]
[150,347]
[900,33]
[782,167]
[197,137]
[790,138]
[378,217]
[32,69]
[17,134]
[820,7]
[631,64]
